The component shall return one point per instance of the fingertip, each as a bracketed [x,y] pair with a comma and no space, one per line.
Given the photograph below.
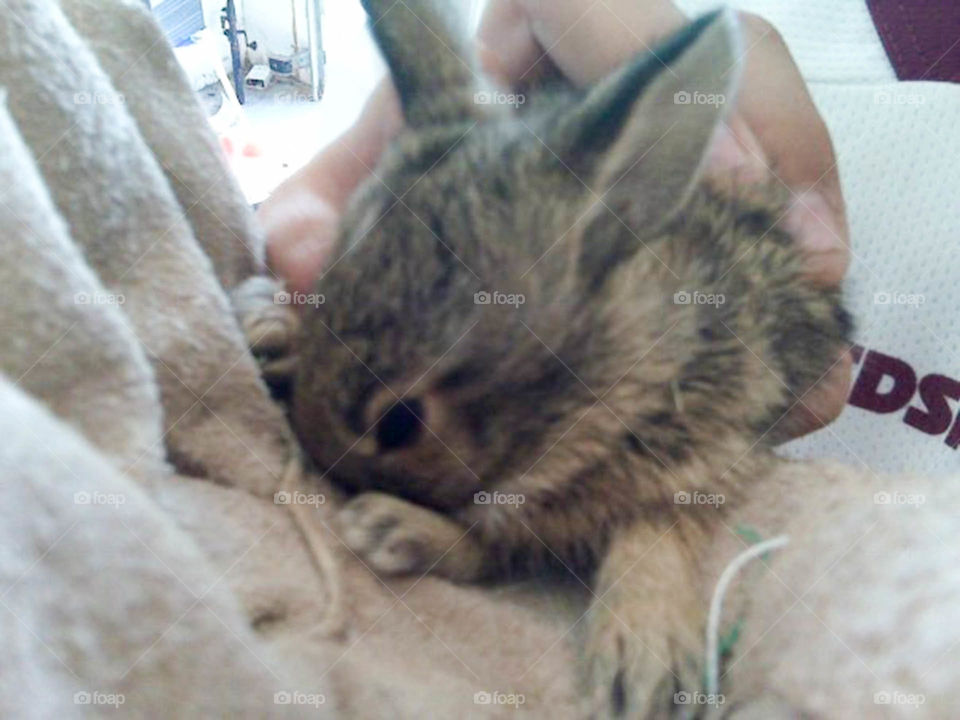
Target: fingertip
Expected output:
[834,389]
[822,235]
[491,64]
[821,405]
[301,263]
[506,44]
[301,235]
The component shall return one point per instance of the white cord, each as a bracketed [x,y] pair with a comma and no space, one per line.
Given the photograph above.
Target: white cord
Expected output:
[716,605]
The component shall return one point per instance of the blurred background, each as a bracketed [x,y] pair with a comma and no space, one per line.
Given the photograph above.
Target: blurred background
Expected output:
[279,79]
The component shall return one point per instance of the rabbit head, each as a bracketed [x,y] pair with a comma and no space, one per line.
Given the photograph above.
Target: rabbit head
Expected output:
[508,288]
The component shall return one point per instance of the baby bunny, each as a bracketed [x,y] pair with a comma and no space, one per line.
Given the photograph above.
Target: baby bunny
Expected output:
[541,324]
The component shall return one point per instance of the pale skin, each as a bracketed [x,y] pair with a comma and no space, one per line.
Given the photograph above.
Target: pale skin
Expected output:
[775,128]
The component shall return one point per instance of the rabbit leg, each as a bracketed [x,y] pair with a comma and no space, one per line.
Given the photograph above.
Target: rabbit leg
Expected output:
[644,628]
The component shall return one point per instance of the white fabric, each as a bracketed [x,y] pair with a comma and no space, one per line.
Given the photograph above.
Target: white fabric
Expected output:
[900,172]
[831,40]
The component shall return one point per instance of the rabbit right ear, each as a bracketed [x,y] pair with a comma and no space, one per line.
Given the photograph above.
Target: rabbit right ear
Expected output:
[643,134]
[425,50]
[648,126]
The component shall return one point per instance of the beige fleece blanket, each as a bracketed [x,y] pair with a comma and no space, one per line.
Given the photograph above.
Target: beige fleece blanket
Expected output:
[145,567]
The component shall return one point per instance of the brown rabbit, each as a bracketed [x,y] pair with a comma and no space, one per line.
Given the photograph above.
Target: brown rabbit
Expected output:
[541,325]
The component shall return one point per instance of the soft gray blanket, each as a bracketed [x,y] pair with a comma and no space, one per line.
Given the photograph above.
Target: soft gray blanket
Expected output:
[145,567]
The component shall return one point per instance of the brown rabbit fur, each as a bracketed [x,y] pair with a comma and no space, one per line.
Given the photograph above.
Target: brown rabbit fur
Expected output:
[601,395]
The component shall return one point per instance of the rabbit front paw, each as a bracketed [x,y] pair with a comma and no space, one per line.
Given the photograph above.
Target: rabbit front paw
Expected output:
[270,325]
[645,642]
[396,537]
[634,670]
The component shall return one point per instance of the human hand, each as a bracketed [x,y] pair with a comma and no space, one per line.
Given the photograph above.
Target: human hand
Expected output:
[301,217]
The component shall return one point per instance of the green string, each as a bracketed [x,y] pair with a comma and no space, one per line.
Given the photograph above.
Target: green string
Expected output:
[749,534]
[726,642]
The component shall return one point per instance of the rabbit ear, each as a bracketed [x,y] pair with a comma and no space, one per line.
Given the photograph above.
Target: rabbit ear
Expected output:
[646,129]
[425,50]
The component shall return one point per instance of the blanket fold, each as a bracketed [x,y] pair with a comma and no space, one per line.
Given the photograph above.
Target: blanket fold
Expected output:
[109,188]
[146,567]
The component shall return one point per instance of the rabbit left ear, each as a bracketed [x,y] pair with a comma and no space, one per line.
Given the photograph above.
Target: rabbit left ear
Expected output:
[428,59]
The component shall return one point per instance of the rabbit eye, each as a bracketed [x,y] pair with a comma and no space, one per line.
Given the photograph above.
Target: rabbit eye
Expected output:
[401,427]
